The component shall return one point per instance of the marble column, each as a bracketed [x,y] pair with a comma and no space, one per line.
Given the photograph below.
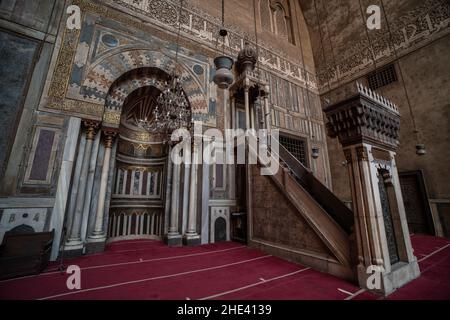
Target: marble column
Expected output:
[173,237]
[226,109]
[191,237]
[173,229]
[99,234]
[267,115]
[231,172]
[187,174]
[253,117]
[247,107]
[168,190]
[64,182]
[234,123]
[74,243]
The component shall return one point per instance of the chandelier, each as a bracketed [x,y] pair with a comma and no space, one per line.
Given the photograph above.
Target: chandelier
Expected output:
[172,109]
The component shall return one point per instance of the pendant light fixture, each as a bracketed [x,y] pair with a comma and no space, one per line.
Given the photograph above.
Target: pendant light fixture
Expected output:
[224,77]
[172,109]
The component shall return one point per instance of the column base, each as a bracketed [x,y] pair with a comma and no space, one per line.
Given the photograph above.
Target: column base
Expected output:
[173,240]
[191,240]
[73,249]
[400,274]
[96,246]
[97,237]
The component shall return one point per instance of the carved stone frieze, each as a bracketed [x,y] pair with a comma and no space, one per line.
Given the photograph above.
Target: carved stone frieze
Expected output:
[426,22]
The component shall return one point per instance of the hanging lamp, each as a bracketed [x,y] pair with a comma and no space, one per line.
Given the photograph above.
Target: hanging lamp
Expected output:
[224,77]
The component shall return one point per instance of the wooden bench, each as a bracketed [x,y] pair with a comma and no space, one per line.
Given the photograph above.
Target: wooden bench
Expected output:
[24,254]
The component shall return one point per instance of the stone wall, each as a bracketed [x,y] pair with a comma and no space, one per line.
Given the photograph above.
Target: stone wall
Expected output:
[32,142]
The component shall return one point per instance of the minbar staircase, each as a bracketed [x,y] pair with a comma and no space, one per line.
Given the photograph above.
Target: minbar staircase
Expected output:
[304,221]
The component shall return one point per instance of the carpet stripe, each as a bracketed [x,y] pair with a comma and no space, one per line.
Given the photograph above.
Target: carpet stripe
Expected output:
[153,278]
[434,252]
[254,285]
[344,291]
[127,263]
[357,293]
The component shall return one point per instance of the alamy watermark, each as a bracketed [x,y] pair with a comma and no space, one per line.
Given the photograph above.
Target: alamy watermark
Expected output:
[236,146]
[74,280]
[373,282]
[373,21]
[74,19]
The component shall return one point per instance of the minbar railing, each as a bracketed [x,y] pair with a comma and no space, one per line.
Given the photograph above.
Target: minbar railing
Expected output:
[337,210]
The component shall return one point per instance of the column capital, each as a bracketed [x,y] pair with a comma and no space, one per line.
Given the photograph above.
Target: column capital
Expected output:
[91,128]
[109,138]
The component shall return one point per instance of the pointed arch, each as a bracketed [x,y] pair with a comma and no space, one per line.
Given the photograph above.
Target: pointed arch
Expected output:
[280,18]
[275,17]
[265,15]
[102,81]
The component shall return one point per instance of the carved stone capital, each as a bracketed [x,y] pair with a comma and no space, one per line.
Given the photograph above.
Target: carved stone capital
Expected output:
[109,138]
[91,129]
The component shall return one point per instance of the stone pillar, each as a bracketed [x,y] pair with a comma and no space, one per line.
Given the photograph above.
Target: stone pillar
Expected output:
[74,243]
[64,182]
[187,174]
[191,237]
[234,123]
[267,113]
[232,167]
[367,126]
[168,191]
[99,235]
[173,237]
[226,109]
[247,106]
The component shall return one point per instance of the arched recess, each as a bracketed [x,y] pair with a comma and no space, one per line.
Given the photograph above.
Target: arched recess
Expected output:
[275,17]
[104,80]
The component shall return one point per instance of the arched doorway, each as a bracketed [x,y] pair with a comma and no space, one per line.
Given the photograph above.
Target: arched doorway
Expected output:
[133,85]
[139,189]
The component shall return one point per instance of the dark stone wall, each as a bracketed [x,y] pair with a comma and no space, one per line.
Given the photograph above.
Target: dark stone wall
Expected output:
[33,14]
[17,58]
[27,37]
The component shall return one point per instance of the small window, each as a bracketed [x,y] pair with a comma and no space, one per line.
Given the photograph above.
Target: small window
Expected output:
[275,18]
[297,147]
[382,77]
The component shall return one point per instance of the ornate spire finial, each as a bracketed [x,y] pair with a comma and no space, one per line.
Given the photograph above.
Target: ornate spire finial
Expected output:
[247,58]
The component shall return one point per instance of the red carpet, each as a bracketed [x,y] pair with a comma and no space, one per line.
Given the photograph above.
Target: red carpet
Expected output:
[150,270]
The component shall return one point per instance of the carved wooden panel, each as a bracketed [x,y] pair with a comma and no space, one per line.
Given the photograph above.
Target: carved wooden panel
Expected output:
[414,197]
[388,224]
